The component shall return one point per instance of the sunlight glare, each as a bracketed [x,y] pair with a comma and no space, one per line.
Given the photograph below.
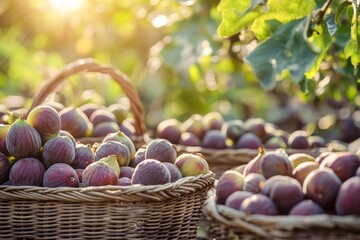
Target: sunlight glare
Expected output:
[66,5]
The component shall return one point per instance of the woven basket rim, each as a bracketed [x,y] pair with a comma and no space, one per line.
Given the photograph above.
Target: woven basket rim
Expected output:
[264,226]
[132,193]
[91,65]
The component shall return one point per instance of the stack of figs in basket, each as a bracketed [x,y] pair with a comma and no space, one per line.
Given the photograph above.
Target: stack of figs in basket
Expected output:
[287,185]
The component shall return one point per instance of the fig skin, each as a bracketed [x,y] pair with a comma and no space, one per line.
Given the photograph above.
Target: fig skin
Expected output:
[120,112]
[75,122]
[151,172]
[253,165]
[189,139]
[213,120]
[84,155]
[303,169]
[102,115]
[233,129]
[256,126]
[306,208]
[4,128]
[120,136]
[297,158]
[214,139]
[275,163]
[174,171]
[27,172]
[258,204]
[169,129]
[230,181]
[46,120]
[112,162]
[119,149]
[254,182]
[191,164]
[195,125]
[99,173]
[248,140]
[139,157]
[22,140]
[58,150]
[298,140]
[235,199]
[89,108]
[162,150]
[4,168]
[104,128]
[348,199]
[60,175]
[124,181]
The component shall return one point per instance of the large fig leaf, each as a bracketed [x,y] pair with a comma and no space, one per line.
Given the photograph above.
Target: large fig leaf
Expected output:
[286,49]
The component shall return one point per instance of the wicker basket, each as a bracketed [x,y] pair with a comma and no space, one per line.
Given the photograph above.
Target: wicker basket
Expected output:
[221,160]
[169,211]
[90,65]
[226,223]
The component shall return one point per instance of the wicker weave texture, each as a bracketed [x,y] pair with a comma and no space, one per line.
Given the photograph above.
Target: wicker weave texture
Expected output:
[169,211]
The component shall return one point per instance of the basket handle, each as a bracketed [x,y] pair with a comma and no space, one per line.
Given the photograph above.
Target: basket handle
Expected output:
[90,65]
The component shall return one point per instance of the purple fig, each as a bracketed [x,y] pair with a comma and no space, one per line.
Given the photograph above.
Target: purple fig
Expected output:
[84,155]
[60,175]
[27,172]
[162,150]
[99,173]
[58,150]
[119,149]
[4,168]
[151,172]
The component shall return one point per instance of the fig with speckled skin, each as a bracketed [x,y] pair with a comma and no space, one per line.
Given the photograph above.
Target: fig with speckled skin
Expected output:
[151,172]
[46,120]
[84,155]
[22,140]
[122,137]
[58,150]
[258,204]
[235,199]
[162,150]
[27,172]
[230,181]
[60,175]
[75,122]
[114,148]
[99,173]
[191,164]
[4,168]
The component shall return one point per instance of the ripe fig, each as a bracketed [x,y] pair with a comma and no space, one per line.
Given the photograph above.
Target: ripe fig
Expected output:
[230,181]
[306,208]
[214,139]
[235,199]
[191,164]
[119,149]
[4,168]
[258,204]
[344,164]
[102,115]
[174,171]
[162,150]
[58,150]
[195,125]
[64,133]
[248,140]
[321,157]
[122,137]
[298,140]
[322,186]
[124,181]
[75,122]
[126,171]
[89,108]
[79,173]
[303,169]
[128,128]
[22,140]
[213,120]
[151,172]
[297,158]
[84,155]
[240,168]
[285,192]
[112,161]
[46,120]
[316,142]
[139,157]
[119,110]
[254,182]
[275,163]
[4,128]
[275,142]
[104,128]
[99,173]
[60,175]
[253,165]
[348,199]
[189,139]
[256,126]
[233,129]
[58,106]
[27,172]
[169,129]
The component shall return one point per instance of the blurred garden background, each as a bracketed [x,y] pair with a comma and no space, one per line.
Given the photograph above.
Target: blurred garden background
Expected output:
[189,56]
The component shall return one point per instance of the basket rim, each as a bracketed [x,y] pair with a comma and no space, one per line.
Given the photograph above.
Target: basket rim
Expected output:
[268,226]
[132,193]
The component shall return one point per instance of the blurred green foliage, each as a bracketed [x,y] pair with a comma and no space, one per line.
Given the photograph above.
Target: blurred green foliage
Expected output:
[172,52]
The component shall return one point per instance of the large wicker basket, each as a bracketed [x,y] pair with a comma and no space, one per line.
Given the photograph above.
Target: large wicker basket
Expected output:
[90,65]
[226,223]
[221,160]
[169,211]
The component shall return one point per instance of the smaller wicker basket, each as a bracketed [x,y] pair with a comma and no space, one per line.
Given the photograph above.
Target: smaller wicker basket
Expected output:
[90,65]
[221,160]
[226,223]
[169,211]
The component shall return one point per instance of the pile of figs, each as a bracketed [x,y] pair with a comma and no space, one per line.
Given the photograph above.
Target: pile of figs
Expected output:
[214,132]
[36,151]
[275,183]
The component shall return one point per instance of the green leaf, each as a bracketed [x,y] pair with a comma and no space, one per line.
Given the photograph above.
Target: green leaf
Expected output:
[285,50]
[352,51]
[282,11]
[340,10]
[321,40]
[236,15]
